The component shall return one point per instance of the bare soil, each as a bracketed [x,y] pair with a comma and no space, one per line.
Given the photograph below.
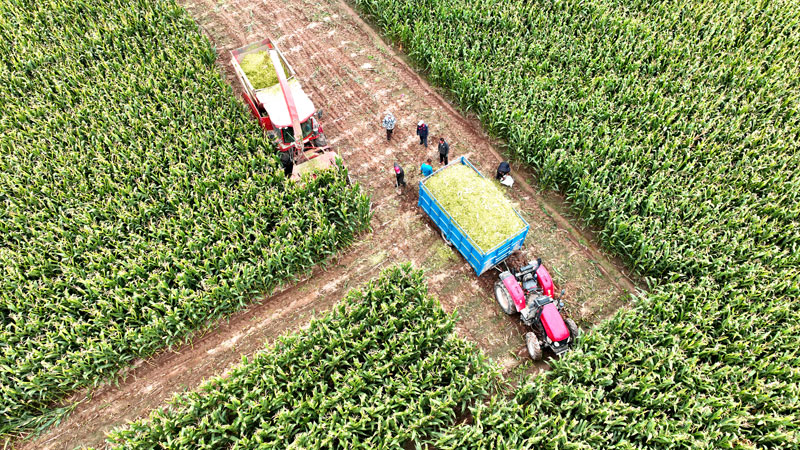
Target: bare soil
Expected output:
[355,76]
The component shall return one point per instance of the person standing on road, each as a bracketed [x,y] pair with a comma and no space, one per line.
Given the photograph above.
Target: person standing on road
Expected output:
[399,175]
[426,169]
[422,132]
[444,150]
[388,123]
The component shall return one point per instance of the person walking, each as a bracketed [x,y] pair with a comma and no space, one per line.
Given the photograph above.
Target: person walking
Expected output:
[388,123]
[399,175]
[426,168]
[444,150]
[422,132]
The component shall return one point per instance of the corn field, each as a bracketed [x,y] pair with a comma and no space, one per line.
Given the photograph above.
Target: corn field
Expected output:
[673,129]
[138,200]
[381,370]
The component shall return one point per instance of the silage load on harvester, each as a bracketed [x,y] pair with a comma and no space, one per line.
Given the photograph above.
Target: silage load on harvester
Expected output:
[476,204]
[259,69]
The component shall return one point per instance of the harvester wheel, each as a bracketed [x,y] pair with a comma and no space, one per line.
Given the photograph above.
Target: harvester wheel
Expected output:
[320,141]
[573,328]
[534,347]
[503,298]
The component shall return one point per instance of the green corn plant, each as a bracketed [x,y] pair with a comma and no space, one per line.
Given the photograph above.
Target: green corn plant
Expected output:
[342,382]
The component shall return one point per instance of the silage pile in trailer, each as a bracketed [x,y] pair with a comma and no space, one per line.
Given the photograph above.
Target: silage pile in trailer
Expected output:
[476,204]
[259,70]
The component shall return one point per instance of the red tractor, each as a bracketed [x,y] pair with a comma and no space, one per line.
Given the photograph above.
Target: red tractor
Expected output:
[530,292]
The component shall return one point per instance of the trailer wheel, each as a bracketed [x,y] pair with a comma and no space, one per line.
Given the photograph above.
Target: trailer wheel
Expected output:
[446,241]
[534,347]
[503,298]
[573,328]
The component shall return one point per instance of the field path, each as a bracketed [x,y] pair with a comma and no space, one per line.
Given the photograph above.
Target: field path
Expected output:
[354,76]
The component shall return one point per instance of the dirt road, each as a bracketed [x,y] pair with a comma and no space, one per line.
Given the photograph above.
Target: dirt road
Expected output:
[351,73]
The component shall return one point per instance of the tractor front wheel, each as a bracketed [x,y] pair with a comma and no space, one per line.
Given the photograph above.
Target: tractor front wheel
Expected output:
[573,328]
[503,298]
[534,347]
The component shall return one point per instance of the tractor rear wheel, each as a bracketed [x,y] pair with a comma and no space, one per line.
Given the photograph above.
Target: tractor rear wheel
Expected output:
[503,298]
[573,328]
[534,347]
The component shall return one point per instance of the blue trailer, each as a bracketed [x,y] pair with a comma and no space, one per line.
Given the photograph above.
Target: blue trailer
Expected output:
[455,235]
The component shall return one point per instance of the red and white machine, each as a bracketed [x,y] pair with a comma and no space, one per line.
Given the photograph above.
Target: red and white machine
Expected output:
[285,111]
[530,292]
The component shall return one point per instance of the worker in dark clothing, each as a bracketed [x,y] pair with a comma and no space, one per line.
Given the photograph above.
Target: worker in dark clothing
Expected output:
[400,175]
[422,132]
[502,170]
[444,150]
[287,162]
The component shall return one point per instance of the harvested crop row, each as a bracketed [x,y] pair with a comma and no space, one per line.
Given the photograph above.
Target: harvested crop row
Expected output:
[138,201]
[672,127]
[382,370]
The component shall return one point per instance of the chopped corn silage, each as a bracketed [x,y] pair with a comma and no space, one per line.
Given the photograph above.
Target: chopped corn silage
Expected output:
[259,69]
[476,204]
[318,163]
